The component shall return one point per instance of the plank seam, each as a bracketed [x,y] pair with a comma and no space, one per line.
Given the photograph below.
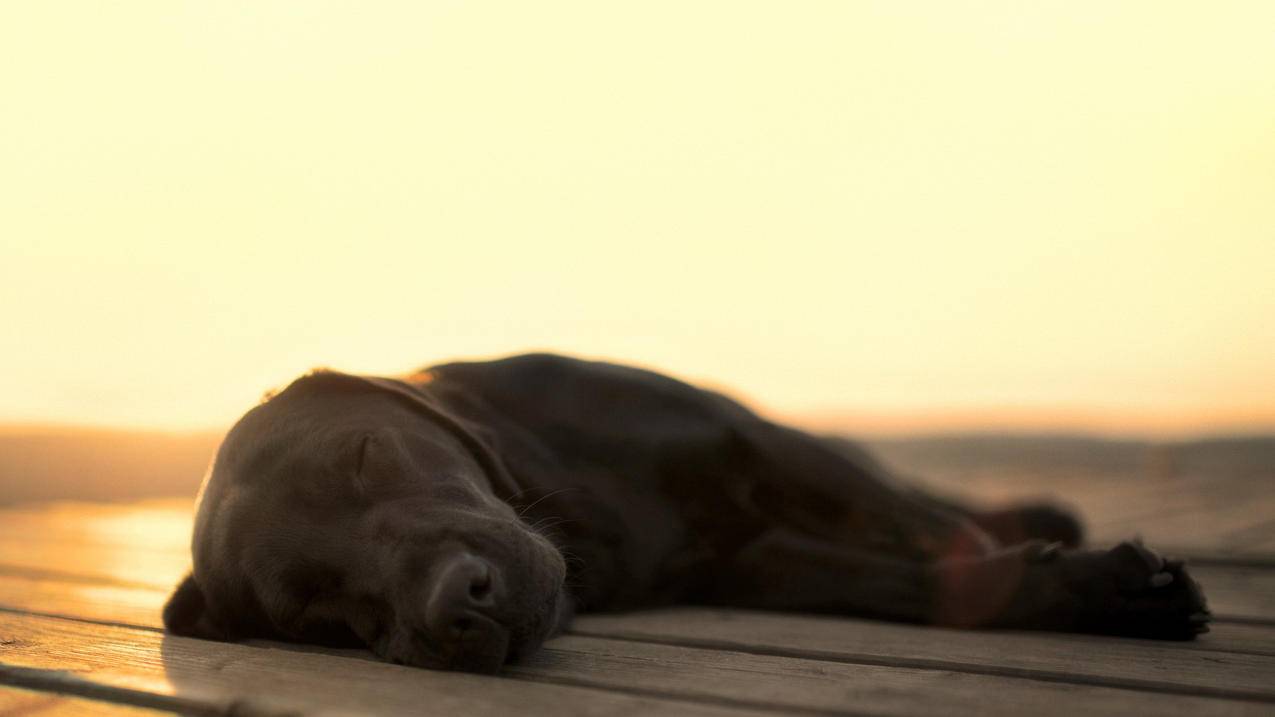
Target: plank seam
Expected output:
[1026,673]
[61,682]
[709,700]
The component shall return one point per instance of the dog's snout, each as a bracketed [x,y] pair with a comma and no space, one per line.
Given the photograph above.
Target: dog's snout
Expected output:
[460,616]
[462,594]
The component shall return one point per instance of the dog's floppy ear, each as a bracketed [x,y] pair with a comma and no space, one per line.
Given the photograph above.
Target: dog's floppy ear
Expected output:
[186,613]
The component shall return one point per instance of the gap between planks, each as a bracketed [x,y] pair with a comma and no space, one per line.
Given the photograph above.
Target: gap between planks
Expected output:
[15,702]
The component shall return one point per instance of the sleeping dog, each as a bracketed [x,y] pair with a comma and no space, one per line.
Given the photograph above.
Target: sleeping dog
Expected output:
[459,517]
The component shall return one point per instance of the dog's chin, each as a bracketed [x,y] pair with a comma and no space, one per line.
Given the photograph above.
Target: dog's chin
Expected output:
[556,618]
[479,662]
[484,649]
[484,657]
[483,652]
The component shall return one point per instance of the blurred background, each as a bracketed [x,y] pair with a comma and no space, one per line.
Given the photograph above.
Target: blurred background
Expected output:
[1011,244]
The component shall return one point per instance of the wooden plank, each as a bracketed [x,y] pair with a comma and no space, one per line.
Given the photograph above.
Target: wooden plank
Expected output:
[146,543]
[28,703]
[575,675]
[1239,593]
[206,677]
[149,525]
[1103,660]
[137,607]
[117,605]
[795,685]
[140,607]
[95,563]
[134,605]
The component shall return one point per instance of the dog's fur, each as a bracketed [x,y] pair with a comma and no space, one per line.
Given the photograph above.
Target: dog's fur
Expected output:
[336,509]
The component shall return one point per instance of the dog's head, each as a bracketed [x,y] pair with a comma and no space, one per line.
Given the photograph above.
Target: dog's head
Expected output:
[350,509]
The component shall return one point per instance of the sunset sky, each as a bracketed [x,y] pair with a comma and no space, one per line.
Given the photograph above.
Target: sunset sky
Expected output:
[897,215]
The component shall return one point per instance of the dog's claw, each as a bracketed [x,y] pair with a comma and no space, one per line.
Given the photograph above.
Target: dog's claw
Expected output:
[1047,553]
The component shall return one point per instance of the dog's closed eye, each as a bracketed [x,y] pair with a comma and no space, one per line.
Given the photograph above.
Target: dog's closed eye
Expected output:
[361,456]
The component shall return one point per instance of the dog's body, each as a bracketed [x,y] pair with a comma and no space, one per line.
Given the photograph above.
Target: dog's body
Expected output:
[456,518]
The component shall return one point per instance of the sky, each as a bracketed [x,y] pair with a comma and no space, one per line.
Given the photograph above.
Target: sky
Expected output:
[893,215]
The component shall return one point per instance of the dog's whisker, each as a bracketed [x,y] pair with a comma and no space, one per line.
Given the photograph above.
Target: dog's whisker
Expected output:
[545,497]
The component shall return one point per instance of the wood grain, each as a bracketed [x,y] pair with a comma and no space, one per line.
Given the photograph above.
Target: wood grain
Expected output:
[791,684]
[1080,658]
[81,586]
[617,664]
[200,676]
[575,675]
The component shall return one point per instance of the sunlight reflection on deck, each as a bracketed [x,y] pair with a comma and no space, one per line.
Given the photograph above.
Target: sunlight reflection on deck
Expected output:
[146,543]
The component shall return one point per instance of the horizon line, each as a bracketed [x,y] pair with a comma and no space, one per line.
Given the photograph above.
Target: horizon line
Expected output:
[1095,423]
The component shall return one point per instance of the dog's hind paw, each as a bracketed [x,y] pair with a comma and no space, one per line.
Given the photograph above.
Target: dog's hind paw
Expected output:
[1131,590]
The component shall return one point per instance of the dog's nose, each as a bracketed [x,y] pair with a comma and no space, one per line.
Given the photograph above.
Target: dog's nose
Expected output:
[461,594]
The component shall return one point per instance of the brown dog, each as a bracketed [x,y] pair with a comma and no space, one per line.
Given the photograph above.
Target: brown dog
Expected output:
[457,518]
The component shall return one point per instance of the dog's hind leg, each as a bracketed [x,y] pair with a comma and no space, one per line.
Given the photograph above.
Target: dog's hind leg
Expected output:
[1128,590]
[1030,521]
[836,489]
[1009,525]
[1018,523]
[799,481]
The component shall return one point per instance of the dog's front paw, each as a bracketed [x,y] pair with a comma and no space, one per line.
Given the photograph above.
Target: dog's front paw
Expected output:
[1131,590]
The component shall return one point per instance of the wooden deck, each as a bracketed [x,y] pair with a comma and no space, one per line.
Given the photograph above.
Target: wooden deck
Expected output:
[81,586]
